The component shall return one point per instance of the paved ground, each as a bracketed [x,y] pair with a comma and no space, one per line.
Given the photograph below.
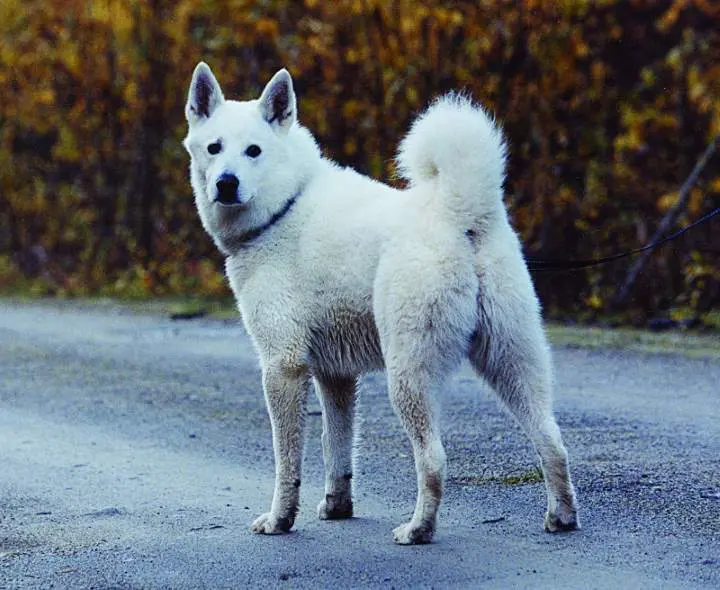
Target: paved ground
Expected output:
[135,452]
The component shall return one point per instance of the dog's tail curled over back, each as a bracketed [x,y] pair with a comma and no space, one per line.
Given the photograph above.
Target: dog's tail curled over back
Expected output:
[458,146]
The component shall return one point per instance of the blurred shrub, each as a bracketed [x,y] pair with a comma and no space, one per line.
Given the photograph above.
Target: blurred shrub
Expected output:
[606,106]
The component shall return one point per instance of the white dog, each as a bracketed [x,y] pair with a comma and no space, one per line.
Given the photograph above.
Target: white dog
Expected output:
[336,274]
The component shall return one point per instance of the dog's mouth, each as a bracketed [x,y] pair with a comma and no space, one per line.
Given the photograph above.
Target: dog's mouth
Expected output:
[236,204]
[227,191]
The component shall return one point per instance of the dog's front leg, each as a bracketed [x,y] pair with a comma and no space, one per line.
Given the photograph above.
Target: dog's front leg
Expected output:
[286,390]
[337,397]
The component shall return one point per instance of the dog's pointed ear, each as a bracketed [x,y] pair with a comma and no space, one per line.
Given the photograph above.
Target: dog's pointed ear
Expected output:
[205,95]
[277,102]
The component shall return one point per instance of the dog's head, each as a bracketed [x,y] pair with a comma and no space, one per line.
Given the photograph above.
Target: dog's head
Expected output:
[246,157]
[231,142]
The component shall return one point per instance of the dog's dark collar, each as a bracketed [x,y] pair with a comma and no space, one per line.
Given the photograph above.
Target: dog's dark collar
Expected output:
[248,237]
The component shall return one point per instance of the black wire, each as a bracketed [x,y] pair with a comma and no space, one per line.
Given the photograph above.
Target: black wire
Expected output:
[537,264]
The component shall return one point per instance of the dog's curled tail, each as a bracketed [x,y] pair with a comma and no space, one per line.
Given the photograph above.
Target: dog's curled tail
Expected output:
[456,143]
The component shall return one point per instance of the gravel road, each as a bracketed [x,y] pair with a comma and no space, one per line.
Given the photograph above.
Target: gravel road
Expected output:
[135,451]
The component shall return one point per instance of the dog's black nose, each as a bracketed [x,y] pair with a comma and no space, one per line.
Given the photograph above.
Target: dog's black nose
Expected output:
[227,189]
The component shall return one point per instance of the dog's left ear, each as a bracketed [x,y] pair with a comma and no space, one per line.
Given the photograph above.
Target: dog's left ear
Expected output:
[277,102]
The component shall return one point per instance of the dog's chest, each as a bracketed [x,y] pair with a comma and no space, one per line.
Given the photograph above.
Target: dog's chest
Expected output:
[345,342]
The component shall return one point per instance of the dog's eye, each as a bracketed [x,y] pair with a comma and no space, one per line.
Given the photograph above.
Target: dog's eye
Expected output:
[214,148]
[253,151]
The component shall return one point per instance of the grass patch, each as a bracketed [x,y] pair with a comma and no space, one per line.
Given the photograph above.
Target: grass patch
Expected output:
[528,477]
[532,476]
[676,342]
[186,308]
[219,310]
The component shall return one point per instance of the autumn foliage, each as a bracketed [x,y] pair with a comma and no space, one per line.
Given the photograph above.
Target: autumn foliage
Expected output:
[606,105]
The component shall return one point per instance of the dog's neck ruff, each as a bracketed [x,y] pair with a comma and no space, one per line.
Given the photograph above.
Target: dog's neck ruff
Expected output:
[248,237]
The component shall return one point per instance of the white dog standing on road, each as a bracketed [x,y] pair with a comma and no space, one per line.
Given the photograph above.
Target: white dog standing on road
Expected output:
[336,274]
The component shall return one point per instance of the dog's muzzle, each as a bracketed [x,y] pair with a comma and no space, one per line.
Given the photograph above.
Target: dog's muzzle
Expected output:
[227,190]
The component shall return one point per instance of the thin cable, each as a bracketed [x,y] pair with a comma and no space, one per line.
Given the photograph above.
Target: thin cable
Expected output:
[536,264]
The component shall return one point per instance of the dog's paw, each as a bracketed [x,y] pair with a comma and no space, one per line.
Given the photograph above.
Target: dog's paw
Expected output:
[565,519]
[413,534]
[268,524]
[335,508]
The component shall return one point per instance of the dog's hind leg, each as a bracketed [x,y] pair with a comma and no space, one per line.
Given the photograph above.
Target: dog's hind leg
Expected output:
[425,310]
[337,398]
[411,393]
[511,353]
[286,390]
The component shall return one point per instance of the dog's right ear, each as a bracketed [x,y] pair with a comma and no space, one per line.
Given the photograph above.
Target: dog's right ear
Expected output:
[205,95]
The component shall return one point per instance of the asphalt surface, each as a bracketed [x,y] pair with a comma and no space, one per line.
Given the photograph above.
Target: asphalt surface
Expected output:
[135,451]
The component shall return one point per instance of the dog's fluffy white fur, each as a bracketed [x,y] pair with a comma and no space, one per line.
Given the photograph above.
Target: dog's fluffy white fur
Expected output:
[336,274]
